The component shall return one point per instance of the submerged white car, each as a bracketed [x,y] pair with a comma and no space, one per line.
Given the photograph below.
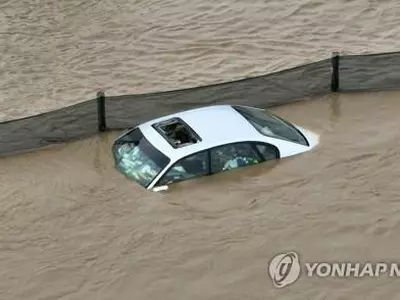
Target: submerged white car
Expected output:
[206,141]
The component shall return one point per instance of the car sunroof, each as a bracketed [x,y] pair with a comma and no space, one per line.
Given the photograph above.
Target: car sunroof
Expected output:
[177,132]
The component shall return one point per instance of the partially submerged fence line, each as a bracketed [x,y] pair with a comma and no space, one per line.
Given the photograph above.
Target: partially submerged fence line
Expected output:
[336,74]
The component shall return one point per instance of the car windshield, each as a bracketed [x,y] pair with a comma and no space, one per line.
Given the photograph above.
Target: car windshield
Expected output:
[271,125]
[137,158]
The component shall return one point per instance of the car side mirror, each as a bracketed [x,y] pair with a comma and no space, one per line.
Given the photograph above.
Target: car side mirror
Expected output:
[160,188]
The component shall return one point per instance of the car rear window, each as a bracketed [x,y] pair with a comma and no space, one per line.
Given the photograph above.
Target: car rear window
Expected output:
[271,125]
[137,158]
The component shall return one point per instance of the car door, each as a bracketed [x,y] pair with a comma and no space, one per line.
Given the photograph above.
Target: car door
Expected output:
[189,167]
[235,155]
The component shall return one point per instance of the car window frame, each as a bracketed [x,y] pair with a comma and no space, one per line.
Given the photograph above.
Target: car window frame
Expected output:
[207,152]
[277,152]
[252,143]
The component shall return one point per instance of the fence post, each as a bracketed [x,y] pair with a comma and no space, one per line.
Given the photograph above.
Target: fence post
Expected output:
[335,72]
[101,111]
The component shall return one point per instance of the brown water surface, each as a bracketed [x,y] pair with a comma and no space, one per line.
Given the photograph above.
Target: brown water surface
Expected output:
[71,227]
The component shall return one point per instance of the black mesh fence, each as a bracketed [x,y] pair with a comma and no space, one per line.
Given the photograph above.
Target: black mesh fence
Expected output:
[344,73]
[370,72]
[263,91]
[58,126]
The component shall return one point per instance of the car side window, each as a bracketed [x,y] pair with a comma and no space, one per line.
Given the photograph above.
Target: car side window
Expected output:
[195,165]
[268,151]
[233,156]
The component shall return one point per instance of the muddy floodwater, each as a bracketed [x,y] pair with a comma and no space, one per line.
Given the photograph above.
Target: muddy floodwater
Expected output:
[72,227]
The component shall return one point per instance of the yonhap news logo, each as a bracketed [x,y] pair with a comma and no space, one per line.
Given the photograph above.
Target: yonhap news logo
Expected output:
[285,269]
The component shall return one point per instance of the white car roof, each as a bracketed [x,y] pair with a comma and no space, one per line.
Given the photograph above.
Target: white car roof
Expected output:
[216,125]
